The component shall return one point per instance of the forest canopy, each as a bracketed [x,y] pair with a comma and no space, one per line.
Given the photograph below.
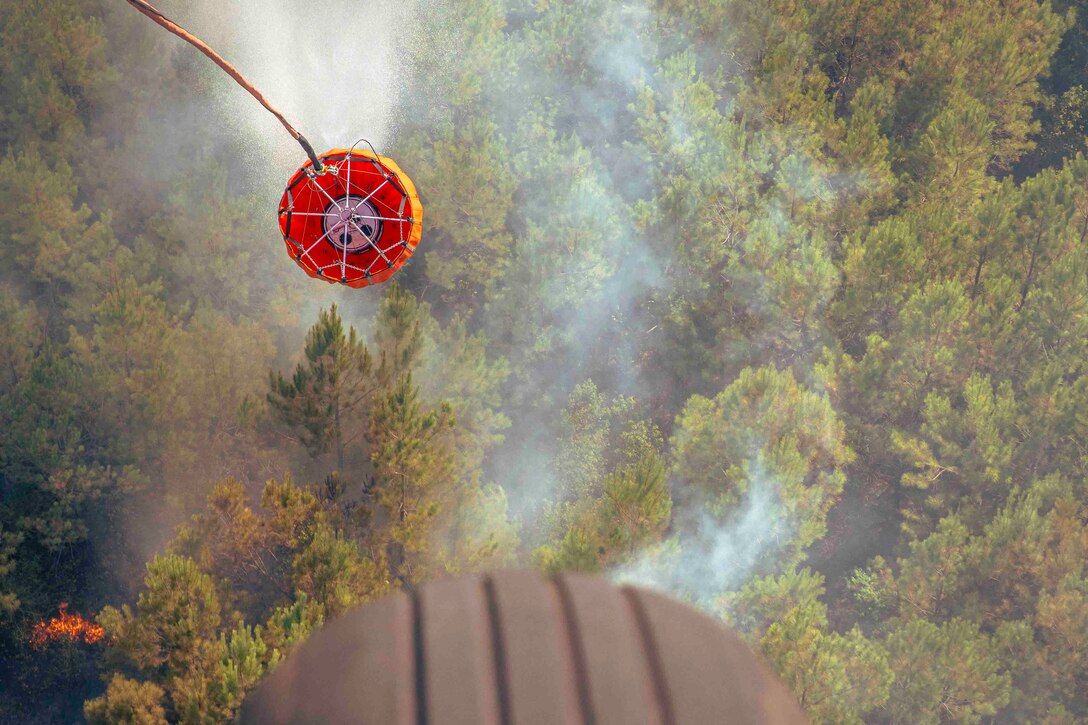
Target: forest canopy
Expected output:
[780,307]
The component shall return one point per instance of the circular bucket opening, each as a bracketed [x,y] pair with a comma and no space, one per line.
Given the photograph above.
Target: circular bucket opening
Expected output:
[352,223]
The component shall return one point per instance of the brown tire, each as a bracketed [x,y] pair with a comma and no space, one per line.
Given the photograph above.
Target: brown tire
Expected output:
[516,647]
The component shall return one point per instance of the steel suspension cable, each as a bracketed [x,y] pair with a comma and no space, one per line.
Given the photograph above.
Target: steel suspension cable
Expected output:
[148,10]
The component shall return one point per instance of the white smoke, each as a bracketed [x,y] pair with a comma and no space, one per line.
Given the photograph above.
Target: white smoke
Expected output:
[333,68]
[337,70]
[708,555]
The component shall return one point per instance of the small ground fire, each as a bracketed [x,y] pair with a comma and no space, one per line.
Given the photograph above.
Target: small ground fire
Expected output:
[72,627]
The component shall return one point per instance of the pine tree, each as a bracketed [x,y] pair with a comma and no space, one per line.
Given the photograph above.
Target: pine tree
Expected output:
[127,702]
[414,473]
[332,573]
[328,390]
[944,671]
[130,370]
[836,678]
[175,617]
[599,435]
[54,70]
[629,516]
[9,600]
[471,243]
[765,431]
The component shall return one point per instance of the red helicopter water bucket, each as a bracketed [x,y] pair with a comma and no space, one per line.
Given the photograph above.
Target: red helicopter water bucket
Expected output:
[355,223]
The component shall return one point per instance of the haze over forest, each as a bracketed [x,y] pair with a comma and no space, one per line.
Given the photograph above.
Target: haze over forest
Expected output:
[780,307]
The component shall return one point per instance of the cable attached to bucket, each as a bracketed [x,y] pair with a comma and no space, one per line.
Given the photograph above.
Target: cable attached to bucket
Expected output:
[148,10]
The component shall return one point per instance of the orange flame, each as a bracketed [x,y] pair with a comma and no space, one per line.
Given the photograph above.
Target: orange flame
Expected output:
[66,626]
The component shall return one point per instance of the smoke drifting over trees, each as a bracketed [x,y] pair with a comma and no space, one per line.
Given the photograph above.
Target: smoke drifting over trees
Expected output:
[781,307]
